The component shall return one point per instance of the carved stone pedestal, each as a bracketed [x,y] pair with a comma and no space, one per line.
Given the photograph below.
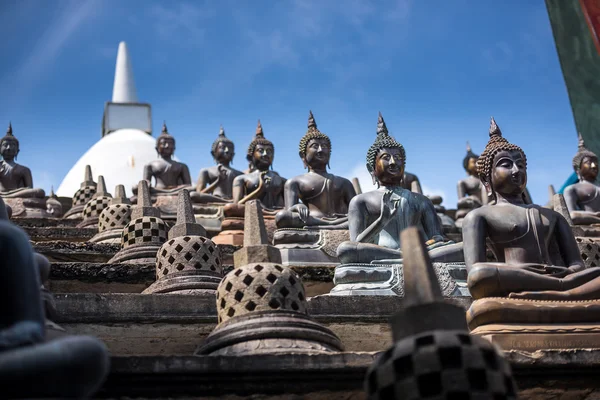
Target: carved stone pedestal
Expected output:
[28,208]
[309,247]
[388,279]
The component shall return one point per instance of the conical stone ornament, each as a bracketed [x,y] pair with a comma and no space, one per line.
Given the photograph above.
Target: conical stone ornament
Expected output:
[189,262]
[114,218]
[144,234]
[93,208]
[84,194]
[262,309]
[433,356]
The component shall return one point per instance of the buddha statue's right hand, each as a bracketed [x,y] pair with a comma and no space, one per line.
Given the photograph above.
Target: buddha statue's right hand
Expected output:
[302,211]
[389,207]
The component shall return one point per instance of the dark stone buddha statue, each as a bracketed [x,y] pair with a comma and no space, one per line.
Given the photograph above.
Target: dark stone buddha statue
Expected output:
[215,184]
[583,199]
[262,183]
[411,182]
[317,198]
[15,179]
[169,175]
[32,365]
[376,218]
[537,255]
[471,193]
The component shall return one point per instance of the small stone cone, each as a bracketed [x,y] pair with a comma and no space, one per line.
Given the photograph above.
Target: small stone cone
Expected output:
[424,308]
[101,188]
[255,232]
[88,180]
[186,224]
[52,195]
[120,196]
[144,204]
[560,206]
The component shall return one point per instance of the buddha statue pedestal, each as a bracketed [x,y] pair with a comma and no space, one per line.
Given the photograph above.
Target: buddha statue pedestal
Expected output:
[309,247]
[28,207]
[388,279]
[232,227]
[531,325]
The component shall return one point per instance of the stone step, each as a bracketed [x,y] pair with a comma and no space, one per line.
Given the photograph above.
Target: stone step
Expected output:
[541,375]
[171,324]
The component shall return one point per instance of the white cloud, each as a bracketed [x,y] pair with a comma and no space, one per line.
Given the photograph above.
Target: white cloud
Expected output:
[181,23]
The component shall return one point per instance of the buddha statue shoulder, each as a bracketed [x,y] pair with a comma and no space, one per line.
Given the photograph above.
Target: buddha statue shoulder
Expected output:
[376,218]
[316,198]
[411,182]
[169,175]
[583,197]
[215,184]
[537,255]
[15,179]
[262,183]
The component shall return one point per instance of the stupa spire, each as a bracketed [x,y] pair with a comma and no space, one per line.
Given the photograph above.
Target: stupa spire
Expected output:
[124,90]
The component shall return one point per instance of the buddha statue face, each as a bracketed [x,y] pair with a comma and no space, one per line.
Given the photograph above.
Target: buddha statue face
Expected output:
[224,152]
[9,148]
[588,168]
[509,173]
[317,153]
[472,166]
[262,157]
[165,146]
[389,166]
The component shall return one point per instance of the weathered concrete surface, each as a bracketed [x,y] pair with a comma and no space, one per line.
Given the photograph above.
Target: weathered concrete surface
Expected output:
[64,251]
[45,222]
[339,376]
[72,234]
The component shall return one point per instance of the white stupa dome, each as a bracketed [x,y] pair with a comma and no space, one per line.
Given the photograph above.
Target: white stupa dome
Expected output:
[119,157]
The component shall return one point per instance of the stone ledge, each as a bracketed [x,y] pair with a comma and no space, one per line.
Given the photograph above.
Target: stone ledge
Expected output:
[130,307]
[64,251]
[340,375]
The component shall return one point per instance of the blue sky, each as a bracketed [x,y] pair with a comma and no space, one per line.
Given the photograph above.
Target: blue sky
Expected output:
[436,69]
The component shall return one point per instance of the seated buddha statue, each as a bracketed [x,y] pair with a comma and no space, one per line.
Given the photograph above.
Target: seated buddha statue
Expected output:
[471,193]
[215,184]
[317,198]
[262,183]
[538,257]
[411,182]
[583,198]
[16,182]
[376,218]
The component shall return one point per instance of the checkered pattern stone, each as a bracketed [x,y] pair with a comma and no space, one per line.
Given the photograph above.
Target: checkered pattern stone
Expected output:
[260,287]
[590,251]
[83,195]
[441,365]
[145,230]
[188,253]
[95,206]
[115,216]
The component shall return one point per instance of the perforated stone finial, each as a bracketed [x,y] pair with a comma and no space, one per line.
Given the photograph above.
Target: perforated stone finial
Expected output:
[186,224]
[144,204]
[101,188]
[120,196]
[88,180]
[260,287]
[255,231]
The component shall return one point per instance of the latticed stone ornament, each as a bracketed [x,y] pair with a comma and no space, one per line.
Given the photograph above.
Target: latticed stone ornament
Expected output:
[188,263]
[144,234]
[590,251]
[93,208]
[262,309]
[435,357]
[84,194]
[114,218]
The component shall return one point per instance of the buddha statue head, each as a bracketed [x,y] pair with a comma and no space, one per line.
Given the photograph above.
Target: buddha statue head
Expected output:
[261,151]
[502,167]
[222,148]
[585,163]
[165,143]
[470,161]
[386,158]
[9,145]
[315,146]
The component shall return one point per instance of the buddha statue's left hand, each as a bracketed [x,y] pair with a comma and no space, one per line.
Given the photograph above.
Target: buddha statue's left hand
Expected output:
[302,211]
